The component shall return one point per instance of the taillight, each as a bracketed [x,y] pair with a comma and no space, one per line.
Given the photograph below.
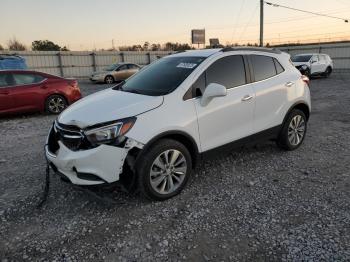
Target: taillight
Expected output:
[305,79]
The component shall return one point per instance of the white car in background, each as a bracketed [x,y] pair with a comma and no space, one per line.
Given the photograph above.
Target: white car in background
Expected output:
[156,126]
[313,64]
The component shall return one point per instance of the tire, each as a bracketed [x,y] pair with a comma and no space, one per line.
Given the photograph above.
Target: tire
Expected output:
[156,179]
[328,72]
[109,79]
[55,104]
[307,73]
[290,138]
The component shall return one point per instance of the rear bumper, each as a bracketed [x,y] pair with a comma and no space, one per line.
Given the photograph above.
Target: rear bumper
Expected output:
[95,166]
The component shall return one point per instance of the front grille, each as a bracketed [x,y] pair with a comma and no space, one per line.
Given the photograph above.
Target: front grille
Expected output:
[71,136]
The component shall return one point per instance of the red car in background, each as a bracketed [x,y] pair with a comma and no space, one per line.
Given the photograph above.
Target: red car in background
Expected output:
[29,91]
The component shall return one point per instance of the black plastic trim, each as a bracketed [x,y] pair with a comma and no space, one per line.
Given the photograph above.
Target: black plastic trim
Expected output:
[271,133]
[259,49]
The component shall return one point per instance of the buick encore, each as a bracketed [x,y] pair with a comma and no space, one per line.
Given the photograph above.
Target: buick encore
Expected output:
[157,125]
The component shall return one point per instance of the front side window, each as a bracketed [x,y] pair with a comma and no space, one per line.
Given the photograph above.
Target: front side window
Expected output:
[122,68]
[163,76]
[315,58]
[263,67]
[227,71]
[5,80]
[27,79]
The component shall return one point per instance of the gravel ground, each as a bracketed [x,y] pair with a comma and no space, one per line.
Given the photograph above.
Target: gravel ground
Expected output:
[257,203]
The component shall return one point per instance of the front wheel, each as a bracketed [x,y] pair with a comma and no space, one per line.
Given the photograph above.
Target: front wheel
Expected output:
[293,131]
[109,80]
[164,169]
[55,104]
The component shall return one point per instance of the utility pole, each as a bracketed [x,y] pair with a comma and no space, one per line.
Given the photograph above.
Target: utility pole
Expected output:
[261,23]
[113,44]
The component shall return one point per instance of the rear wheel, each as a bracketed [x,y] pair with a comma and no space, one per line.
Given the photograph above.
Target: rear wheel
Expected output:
[109,80]
[164,169]
[293,131]
[55,104]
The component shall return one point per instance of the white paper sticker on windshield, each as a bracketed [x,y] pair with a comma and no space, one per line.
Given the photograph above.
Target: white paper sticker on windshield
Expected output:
[187,65]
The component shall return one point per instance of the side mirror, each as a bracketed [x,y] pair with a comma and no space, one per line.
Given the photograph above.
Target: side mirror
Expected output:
[211,91]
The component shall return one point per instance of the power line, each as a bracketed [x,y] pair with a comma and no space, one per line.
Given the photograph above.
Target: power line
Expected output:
[308,12]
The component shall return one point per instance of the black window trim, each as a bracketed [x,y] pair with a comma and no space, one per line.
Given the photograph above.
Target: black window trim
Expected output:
[191,92]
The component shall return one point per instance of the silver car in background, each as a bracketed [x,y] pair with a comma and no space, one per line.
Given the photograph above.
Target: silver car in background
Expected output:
[115,73]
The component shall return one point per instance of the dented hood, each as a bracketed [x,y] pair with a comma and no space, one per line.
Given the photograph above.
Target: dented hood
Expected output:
[107,105]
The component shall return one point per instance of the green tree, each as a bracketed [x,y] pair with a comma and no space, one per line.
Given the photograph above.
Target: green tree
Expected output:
[14,45]
[1,48]
[45,45]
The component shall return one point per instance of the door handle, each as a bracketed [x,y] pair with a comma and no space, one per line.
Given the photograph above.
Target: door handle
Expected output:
[43,86]
[4,92]
[247,98]
[289,84]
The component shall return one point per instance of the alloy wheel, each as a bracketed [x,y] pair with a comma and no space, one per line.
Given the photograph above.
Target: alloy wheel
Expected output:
[56,104]
[296,130]
[109,80]
[168,171]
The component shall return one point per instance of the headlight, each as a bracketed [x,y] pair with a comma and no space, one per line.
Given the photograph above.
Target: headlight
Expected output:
[112,133]
[304,67]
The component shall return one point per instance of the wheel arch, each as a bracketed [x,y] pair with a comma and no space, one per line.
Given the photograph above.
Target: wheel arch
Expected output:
[301,105]
[104,79]
[187,140]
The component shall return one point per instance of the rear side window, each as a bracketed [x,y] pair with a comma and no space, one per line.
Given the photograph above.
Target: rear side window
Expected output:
[263,67]
[122,68]
[27,79]
[228,71]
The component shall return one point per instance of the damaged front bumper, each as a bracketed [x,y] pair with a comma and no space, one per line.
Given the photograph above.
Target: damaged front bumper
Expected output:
[99,165]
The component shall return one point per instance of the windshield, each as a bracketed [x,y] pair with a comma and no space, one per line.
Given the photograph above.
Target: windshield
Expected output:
[111,67]
[163,76]
[301,58]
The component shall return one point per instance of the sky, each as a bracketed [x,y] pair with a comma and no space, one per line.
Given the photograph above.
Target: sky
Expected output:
[93,24]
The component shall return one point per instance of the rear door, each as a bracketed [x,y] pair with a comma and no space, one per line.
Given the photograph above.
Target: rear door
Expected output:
[271,86]
[6,99]
[28,92]
[323,63]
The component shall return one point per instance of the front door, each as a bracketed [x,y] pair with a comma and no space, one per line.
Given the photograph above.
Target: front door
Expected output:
[27,92]
[229,118]
[6,101]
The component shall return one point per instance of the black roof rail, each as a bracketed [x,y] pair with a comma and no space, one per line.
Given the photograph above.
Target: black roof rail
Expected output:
[261,49]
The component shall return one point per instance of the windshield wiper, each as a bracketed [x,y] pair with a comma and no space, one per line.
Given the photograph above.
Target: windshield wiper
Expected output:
[119,86]
[133,91]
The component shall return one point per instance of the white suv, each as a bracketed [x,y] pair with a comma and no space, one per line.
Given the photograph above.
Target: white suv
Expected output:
[313,64]
[156,126]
